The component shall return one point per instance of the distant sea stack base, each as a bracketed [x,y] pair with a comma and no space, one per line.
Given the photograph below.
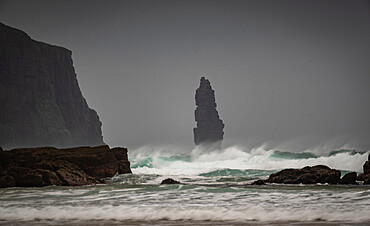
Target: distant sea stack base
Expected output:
[210,127]
[41,102]
[37,167]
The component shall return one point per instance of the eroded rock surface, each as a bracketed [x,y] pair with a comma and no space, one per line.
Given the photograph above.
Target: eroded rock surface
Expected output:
[35,167]
[209,125]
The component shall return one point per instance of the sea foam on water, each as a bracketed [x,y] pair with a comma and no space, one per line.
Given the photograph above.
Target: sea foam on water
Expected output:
[235,157]
[215,188]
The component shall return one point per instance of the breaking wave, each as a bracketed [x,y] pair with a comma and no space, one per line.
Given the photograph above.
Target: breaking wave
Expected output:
[235,159]
[215,189]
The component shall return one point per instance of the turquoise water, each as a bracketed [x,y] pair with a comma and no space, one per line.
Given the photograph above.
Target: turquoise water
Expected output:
[214,190]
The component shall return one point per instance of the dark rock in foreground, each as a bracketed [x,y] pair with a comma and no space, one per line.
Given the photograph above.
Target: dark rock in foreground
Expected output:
[36,167]
[307,175]
[367,179]
[170,181]
[349,178]
[366,176]
[209,126]
[366,167]
[41,101]
[317,174]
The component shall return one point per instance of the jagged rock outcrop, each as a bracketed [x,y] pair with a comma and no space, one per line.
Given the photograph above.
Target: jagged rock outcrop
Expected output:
[41,102]
[36,167]
[307,175]
[365,176]
[209,125]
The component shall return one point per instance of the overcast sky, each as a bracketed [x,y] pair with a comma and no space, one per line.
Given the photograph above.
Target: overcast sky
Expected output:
[293,74]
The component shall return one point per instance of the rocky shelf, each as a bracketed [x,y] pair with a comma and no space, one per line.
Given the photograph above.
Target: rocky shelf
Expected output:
[36,167]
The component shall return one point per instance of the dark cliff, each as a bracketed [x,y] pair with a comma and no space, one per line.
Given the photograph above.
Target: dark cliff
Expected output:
[35,167]
[209,125]
[41,102]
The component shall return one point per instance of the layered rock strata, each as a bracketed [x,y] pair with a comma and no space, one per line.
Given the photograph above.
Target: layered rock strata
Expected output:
[41,102]
[209,125]
[36,167]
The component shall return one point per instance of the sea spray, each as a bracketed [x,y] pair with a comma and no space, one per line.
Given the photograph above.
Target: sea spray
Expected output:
[236,157]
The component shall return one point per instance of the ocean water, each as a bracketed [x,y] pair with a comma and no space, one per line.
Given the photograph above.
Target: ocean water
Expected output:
[215,190]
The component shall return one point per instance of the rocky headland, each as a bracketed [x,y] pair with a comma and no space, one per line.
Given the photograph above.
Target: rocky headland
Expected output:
[41,101]
[209,125]
[36,167]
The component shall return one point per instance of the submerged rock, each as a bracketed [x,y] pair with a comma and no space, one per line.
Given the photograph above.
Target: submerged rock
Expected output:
[170,181]
[307,175]
[41,101]
[209,125]
[259,182]
[35,167]
[349,178]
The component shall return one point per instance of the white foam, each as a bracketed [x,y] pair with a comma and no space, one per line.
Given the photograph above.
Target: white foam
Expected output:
[236,158]
[142,213]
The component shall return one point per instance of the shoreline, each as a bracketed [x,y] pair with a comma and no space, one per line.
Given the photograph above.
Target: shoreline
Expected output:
[181,222]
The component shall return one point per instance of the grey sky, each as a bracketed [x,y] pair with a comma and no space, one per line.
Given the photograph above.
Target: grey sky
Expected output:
[294,74]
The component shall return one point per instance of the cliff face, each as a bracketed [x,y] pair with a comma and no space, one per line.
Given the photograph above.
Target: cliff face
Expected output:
[41,102]
[209,126]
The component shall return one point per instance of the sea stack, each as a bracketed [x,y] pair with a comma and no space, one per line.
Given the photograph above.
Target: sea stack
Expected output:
[41,101]
[210,127]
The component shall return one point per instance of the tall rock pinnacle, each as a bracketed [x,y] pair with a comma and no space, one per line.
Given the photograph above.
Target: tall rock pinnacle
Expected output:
[209,125]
